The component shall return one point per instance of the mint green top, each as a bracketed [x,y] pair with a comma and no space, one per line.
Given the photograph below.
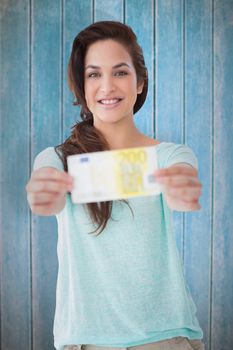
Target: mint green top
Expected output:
[126,286]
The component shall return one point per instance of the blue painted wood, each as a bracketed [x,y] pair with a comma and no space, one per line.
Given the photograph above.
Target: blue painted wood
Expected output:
[110,11]
[189,101]
[222,276]
[15,220]
[46,131]
[73,23]
[198,105]
[144,29]
[169,103]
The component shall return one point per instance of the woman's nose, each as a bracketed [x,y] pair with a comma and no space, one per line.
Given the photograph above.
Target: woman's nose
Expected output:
[107,84]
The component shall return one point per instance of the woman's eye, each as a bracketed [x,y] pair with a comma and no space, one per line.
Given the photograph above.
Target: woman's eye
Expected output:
[122,73]
[95,74]
[92,75]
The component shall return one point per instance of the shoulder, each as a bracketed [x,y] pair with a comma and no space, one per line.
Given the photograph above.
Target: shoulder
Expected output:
[48,157]
[148,141]
[170,153]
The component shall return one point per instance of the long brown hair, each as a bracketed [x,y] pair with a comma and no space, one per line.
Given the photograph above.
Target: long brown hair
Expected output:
[84,136]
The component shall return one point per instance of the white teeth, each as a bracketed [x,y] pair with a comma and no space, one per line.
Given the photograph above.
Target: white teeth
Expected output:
[108,102]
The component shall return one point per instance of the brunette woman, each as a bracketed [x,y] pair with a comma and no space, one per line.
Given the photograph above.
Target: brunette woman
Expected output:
[120,280]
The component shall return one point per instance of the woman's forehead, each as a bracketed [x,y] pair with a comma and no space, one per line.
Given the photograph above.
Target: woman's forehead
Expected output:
[108,52]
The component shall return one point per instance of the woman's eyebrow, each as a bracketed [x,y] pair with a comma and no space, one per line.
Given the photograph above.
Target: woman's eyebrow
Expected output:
[116,66]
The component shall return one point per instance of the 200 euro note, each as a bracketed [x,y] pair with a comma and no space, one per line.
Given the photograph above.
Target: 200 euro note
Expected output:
[110,175]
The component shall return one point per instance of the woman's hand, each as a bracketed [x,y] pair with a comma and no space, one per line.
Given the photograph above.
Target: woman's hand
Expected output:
[46,190]
[180,186]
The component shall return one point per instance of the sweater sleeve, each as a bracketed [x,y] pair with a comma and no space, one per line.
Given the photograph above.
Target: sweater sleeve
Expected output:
[48,158]
[179,153]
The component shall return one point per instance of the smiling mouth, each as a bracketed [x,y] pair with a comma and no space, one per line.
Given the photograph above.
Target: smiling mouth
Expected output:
[110,102]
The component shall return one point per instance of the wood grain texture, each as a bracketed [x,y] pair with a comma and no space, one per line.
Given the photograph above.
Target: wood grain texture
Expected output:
[222,277]
[169,82]
[188,51]
[144,118]
[15,219]
[198,135]
[77,15]
[110,11]
[46,25]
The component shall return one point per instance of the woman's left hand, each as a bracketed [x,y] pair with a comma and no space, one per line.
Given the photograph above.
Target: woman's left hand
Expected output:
[180,186]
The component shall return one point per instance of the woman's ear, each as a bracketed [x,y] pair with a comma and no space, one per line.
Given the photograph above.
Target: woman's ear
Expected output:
[140,87]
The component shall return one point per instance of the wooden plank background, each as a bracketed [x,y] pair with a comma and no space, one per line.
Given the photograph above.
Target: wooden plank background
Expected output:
[188,49]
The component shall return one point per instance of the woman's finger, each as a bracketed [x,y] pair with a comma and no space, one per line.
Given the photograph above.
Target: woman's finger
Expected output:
[191,205]
[42,198]
[185,192]
[42,209]
[179,180]
[178,169]
[48,186]
[50,173]
[181,204]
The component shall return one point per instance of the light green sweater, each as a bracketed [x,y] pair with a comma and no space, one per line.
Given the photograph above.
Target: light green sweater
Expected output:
[126,286]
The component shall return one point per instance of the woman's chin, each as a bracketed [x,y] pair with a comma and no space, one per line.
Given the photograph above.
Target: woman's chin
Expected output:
[111,118]
[107,120]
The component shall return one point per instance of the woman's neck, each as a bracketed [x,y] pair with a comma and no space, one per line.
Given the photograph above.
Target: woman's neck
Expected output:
[121,135]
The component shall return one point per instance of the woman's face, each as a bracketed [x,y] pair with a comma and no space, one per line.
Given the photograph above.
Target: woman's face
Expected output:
[110,82]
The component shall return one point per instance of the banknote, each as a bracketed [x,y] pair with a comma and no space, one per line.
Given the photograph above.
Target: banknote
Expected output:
[114,174]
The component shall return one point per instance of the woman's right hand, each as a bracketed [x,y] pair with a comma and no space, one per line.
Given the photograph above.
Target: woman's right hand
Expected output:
[46,190]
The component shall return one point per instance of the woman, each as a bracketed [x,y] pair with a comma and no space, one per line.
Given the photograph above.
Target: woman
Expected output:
[123,287]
